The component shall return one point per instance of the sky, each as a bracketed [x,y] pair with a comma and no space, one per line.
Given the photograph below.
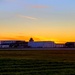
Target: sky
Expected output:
[48,20]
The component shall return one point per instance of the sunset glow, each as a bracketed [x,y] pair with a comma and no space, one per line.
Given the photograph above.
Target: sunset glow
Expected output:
[48,20]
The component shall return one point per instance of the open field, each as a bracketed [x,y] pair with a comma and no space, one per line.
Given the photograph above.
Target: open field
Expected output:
[37,49]
[53,55]
[37,62]
[35,67]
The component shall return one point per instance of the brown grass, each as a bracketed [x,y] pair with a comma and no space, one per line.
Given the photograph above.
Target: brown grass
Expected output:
[53,55]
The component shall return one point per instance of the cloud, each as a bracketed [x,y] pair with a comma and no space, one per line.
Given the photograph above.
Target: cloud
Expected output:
[39,6]
[6,38]
[27,17]
[9,0]
[26,38]
[36,6]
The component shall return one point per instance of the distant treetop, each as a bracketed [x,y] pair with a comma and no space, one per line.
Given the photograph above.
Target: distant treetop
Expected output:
[31,40]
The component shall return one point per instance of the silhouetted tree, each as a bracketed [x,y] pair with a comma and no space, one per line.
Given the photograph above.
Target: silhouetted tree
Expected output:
[31,40]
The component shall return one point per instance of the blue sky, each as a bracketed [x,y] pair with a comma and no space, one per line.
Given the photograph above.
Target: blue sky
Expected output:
[43,19]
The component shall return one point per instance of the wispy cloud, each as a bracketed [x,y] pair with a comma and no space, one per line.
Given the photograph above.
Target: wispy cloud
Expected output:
[36,6]
[39,6]
[6,38]
[26,38]
[27,17]
[9,0]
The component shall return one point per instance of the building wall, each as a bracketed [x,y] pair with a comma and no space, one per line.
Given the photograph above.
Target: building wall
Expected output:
[59,45]
[4,46]
[41,44]
[13,44]
[7,42]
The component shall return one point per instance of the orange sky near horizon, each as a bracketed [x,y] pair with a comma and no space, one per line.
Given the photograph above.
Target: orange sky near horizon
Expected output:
[25,38]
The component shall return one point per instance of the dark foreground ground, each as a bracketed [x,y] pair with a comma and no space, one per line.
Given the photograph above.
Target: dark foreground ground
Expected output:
[37,62]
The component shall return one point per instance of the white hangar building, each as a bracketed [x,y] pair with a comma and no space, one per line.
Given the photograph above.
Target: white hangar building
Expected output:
[44,44]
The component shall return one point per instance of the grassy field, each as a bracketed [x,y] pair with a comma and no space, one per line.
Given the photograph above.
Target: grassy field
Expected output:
[39,62]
